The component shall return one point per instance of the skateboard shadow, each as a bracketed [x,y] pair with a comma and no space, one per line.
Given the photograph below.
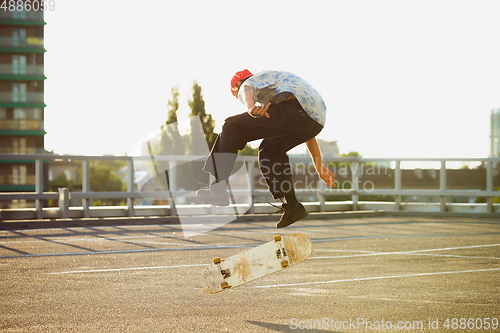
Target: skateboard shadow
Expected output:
[283,328]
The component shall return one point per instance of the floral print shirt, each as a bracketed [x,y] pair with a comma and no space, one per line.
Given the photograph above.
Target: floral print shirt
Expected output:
[275,86]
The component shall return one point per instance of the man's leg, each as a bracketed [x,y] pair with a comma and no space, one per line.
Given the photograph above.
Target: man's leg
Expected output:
[275,167]
[236,132]
[275,164]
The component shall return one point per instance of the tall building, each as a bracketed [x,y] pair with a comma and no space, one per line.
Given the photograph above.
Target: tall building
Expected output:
[21,97]
[495,133]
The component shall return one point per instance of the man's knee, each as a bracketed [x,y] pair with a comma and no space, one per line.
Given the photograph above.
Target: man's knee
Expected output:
[231,125]
[232,134]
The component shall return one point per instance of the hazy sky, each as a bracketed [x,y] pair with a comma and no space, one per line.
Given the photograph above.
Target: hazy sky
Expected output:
[399,78]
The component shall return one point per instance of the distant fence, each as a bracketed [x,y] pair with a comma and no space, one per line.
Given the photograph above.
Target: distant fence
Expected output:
[323,195]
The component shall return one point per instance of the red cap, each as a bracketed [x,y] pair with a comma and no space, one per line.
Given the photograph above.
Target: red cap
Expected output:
[239,76]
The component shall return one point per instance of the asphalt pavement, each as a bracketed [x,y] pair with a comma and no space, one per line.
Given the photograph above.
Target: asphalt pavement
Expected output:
[377,273]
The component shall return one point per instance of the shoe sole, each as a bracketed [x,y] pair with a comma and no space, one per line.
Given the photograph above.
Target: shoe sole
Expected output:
[283,225]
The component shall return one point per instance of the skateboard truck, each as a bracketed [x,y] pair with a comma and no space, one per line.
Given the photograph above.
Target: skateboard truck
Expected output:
[281,253]
[224,272]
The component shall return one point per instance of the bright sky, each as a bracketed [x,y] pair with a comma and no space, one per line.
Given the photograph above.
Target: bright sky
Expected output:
[399,78]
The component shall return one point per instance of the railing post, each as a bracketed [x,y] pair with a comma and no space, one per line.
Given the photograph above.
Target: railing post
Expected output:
[172,173]
[397,185]
[489,186]
[85,187]
[442,186]
[130,187]
[250,166]
[39,187]
[321,189]
[355,184]
[63,203]
[212,207]
[172,185]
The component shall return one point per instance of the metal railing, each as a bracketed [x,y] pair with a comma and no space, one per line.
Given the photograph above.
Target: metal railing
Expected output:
[10,69]
[21,124]
[29,42]
[355,190]
[21,15]
[28,97]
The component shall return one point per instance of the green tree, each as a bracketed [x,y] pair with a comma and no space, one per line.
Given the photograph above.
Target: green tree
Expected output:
[171,142]
[60,182]
[173,105]
[114,165]
[249,151]
[104,179]
[197,105]
[351,154]
[189,174]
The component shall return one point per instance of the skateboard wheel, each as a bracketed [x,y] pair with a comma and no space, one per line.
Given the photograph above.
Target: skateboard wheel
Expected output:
[284,263]
[224,285]
[277,238]
[217,261]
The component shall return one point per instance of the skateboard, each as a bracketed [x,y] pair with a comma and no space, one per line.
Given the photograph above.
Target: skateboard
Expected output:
[265,259]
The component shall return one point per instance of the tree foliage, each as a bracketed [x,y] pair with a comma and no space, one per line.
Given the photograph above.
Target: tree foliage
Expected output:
[173,105]
[249,151]
[197,105]
[104,179]
[171,141]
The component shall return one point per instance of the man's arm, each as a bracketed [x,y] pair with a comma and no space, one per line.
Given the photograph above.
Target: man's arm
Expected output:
[254,109]
[248,96]
[323,172]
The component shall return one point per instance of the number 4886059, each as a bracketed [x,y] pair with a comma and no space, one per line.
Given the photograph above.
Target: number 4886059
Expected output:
[27,5]
[471,323]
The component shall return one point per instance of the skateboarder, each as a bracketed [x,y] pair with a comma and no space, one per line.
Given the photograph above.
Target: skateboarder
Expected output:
[283,110]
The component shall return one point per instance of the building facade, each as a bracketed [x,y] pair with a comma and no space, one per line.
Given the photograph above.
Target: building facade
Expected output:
[21,98]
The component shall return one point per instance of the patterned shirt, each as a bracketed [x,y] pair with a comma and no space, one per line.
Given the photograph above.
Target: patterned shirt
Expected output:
[275,86]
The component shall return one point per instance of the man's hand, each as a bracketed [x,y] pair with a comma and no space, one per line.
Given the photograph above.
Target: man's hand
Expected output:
[258,111]
[328,176]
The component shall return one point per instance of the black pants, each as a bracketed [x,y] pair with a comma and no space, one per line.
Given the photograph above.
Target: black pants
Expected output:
[288,126]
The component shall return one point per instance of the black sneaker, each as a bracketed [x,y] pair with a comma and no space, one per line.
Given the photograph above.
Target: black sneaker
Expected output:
[216,194]
[291,215]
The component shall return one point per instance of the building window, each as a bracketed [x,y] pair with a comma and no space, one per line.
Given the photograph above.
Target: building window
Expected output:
[20,114]
[37,113]
[19,37]
[19,64]
[19,14]
[19,146]
[19,92]
[19,174]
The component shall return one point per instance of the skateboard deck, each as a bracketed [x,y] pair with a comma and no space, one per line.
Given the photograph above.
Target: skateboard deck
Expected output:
[265,259]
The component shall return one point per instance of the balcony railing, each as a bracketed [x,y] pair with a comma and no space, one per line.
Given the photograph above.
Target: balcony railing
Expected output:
[29,42]
[28,97]
[393,171]
[17,179]
[32,70]
[22,125]
[22,150]
[21,15]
